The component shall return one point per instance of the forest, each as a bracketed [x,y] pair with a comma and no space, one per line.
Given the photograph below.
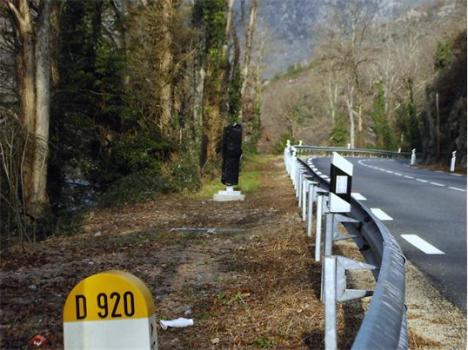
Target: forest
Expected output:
[108,102]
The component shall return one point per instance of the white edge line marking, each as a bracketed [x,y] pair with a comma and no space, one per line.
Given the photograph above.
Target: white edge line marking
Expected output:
[457,189]
[397,174]
[381,215]
[409,177]
[358,196]
[436,184]
[421,180]
[421,244]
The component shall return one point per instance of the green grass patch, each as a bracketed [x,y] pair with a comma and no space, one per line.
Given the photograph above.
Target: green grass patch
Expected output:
[249,179]
[264,343]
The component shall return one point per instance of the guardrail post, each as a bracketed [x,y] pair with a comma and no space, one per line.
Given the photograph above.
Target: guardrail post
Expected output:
[299,183]
[413,156]
[318,227]
[300,189]
[321,198]
[330,302]
[286,157]
[335,290]
[305,190]
[328,246]
[452,161]
[294,165]
[309,207]
[296,172]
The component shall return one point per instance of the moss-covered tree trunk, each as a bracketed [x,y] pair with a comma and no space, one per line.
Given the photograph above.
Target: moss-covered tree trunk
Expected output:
[211,17]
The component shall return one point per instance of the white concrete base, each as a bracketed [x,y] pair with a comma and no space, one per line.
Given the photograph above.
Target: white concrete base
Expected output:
[228,195]
[135,334]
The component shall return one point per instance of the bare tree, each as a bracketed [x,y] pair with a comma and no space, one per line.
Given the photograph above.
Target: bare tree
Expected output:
[32,30]
[347,51]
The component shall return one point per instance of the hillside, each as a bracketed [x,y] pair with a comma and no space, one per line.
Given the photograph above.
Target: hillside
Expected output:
[292,28]
[288,108]
[405,63]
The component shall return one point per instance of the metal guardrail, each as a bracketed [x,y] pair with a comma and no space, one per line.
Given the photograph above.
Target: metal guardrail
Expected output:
[353,151]
[384,325]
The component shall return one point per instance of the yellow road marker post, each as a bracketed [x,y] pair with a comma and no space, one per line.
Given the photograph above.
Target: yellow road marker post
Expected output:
[110,310]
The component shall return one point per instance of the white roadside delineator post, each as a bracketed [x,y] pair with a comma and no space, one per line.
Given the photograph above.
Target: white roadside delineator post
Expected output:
[413,156]
[110,310]
[341,175]
[452,161]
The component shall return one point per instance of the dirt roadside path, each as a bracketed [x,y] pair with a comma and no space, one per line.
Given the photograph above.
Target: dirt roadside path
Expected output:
[253,285]
[250,283]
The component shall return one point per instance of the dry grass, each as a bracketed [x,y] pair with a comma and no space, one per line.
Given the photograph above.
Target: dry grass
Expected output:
[254,288]
[417,342]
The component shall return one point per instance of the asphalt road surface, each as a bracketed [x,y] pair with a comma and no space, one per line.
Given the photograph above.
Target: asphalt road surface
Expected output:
[426,212]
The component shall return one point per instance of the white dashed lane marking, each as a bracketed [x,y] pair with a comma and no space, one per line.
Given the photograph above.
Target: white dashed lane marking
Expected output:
[358,196]
[421,180]
[436,184]
[381,215]
[421,244]
[409,177]
[457,189]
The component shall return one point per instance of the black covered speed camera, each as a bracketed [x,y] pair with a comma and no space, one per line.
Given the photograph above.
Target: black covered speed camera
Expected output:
[232,152]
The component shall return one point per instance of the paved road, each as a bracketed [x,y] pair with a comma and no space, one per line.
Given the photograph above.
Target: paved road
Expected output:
[428,212]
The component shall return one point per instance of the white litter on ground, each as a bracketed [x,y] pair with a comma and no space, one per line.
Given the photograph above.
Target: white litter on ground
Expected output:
[177,323]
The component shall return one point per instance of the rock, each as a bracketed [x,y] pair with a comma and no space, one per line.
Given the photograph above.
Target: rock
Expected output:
[215,341]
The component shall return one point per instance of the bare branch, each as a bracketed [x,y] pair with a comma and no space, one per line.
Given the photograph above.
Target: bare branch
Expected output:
[15,14]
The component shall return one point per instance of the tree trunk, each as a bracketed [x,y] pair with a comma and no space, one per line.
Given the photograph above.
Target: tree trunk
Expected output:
[248,48]
[41,132]
[198,113]
[229,16]
[33,75]
[349,105]
[332,99]
[26,91]
[166,66]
